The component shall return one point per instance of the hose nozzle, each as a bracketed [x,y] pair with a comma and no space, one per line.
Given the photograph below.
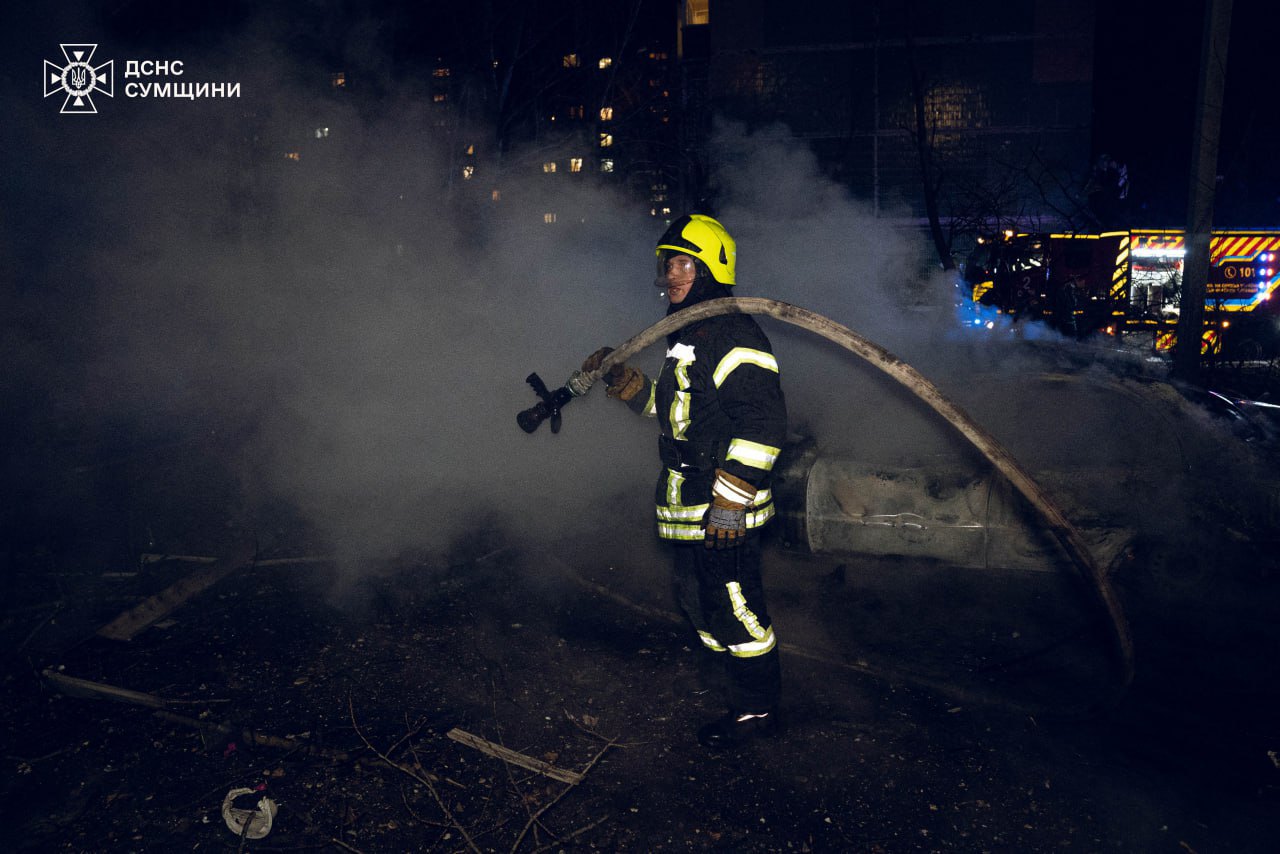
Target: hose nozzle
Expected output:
[548,408]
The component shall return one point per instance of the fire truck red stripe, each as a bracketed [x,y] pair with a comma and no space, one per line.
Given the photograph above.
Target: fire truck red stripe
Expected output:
[1220,247]
[1249,247]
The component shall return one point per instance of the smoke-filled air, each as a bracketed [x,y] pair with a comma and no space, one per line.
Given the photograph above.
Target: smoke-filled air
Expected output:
[359,330]
[360,334]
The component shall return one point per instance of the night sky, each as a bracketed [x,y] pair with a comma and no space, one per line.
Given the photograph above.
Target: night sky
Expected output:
[1146,74]
[1147,66]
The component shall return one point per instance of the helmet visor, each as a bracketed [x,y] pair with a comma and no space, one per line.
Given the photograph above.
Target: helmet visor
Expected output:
[675,268]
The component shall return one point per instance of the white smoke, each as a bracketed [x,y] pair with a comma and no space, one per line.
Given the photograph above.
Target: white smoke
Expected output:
[366,336]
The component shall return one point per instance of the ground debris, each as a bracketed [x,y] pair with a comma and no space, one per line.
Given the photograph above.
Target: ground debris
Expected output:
[435,657]
[159,606]
[508,755]
[76,687]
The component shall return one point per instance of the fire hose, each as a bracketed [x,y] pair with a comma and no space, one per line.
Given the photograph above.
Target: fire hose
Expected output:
[1053,518]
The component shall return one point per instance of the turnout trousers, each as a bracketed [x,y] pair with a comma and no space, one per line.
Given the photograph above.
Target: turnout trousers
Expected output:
[722,593]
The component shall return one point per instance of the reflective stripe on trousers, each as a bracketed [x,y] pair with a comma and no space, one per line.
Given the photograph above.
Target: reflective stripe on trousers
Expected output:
[721,592]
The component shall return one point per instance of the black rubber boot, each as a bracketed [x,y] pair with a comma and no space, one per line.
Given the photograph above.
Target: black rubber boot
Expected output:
[737,728]
[704,675]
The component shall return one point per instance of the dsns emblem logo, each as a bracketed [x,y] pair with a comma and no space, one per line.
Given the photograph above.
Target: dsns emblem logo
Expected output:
[78,78]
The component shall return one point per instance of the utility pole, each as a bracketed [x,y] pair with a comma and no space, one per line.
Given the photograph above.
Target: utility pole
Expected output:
[1204,175]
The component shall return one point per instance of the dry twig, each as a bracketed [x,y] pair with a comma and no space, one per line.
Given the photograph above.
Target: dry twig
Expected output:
[506,766]
[587,728]
[562,840]
[567,789]
[55,612]
[421,778]
[410,732]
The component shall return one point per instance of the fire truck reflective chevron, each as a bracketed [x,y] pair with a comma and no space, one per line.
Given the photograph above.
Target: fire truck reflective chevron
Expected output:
[1244,248]
[1158,242]
[1243,269]
[1247,270]
[1120,275]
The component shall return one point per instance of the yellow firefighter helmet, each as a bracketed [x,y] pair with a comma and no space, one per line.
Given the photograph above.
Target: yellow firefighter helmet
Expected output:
[705,239]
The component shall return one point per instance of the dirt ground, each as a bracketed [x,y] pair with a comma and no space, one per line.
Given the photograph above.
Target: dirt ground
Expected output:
[926,706]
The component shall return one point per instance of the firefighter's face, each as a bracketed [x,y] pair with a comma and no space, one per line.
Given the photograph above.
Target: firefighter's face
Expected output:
[678,276]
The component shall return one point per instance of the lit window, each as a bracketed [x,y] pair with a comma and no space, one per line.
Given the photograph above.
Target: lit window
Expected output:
[321,133]
[291,155]
[606,113]
[666,211]
[440,72]
[439,98]
[575,164]
[697,12]
[467,172]
[606,165]
[548,218]
[605,62]
[495,195]
[549,166]
[338,79]
[571,60]
[606,140]
[471,149]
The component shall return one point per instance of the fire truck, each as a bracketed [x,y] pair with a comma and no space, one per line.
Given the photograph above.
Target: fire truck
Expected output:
[1129,283]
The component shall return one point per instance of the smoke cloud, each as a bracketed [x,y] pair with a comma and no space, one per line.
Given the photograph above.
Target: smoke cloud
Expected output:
[363,337]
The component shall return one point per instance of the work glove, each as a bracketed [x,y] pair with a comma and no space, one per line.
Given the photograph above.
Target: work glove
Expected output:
[726,519]
[625,382]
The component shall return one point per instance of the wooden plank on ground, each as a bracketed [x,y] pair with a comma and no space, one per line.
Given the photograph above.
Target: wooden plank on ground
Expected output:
[75,687]
[507,755]
[159,606]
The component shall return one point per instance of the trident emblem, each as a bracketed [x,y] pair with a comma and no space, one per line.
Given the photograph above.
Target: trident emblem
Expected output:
[79,79]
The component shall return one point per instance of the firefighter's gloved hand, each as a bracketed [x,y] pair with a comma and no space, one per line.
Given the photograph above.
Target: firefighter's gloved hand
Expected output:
[726,519]
[625,382]
[596,359]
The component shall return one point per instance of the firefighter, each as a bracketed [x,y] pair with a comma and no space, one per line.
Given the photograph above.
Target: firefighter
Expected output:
[722,421]
[1065,305]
